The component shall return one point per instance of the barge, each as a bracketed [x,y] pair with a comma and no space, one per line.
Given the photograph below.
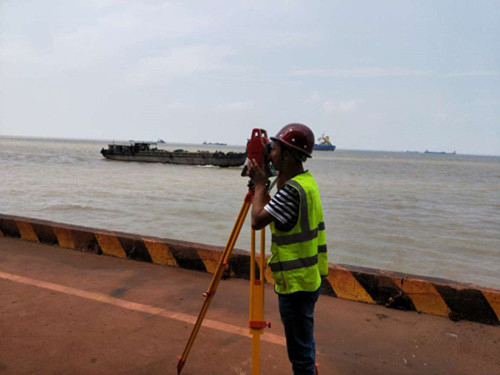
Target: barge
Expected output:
[148,152]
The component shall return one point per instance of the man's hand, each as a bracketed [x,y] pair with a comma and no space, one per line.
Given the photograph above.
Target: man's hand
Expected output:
[256,173]
[260,217]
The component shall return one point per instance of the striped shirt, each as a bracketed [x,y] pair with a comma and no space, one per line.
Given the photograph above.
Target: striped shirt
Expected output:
[284,208]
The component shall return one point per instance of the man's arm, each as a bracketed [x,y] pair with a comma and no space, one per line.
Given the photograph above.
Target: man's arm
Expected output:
[260,217]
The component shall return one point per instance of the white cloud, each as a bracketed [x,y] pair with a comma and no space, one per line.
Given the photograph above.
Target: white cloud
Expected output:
[440,116]
[474,73]
[331,106]
[315,97]
[126,32]
[14,49]
[360,73]
[236,106]
[179,61]
[176,105]
[382,72]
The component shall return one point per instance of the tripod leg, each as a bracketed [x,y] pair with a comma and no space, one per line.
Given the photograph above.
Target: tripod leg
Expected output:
[209,294]
[257,323]
[256,354]
[262,255]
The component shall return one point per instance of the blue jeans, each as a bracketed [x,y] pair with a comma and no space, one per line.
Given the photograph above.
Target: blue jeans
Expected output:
[297,315]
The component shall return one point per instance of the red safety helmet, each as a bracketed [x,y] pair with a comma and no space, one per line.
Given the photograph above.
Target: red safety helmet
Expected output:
[298,137]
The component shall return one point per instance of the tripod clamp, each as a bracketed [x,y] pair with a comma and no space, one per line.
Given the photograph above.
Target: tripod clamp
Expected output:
[258,324]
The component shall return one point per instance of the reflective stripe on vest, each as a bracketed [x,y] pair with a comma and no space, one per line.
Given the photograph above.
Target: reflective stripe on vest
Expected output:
[289,265]
[297,237]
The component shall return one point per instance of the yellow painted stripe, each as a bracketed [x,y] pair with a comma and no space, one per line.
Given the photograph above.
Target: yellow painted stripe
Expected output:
[64,237]
[147,309]
[493,299]
[346,286]
[26,231]
[210,259]
[110,245]
[160,253]
[424,296]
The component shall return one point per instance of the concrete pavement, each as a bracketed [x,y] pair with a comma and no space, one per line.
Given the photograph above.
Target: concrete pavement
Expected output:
[67,312]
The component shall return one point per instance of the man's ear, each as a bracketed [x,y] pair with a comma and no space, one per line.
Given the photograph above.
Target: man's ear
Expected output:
[285,154]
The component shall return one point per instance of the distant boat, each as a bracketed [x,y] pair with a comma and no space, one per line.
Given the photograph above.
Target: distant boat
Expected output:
[324,144]
[160,141]
[142,151]
[439,152]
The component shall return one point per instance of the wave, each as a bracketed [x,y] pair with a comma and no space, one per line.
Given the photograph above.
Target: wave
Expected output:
[73,207]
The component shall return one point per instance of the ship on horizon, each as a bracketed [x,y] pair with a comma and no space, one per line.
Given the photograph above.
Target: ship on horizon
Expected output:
[324,144]
[440,152]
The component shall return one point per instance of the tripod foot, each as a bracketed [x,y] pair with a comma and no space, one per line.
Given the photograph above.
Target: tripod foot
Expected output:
[180,365]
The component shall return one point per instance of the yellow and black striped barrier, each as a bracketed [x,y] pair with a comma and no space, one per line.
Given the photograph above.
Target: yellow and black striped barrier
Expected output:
[458,301]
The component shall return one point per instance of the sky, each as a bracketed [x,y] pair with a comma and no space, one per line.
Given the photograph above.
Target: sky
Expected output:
[394,75]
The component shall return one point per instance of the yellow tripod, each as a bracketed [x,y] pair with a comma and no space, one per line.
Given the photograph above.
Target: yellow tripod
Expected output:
[256,323]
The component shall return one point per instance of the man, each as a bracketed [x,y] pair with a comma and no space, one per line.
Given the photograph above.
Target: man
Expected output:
[298,246]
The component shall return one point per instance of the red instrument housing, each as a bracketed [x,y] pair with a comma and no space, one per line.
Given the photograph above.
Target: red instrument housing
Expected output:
[256,147]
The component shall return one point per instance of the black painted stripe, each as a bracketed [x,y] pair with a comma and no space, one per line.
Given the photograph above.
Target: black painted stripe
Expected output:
[326,288]
[467,304]
[384,291]
[45,233]
[188,257]
[9,228]
[135,249]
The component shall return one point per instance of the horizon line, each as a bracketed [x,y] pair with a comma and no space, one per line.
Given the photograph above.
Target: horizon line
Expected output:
[55,138]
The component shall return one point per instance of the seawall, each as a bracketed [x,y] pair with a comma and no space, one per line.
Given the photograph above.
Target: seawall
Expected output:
[441,297]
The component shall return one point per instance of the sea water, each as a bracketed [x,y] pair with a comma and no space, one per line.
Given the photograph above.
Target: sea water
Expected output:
[433,215]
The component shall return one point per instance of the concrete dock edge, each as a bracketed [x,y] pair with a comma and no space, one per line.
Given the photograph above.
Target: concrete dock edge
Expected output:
[441,297]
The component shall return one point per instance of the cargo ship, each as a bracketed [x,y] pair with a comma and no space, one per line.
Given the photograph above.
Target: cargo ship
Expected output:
[324,144]
[148,152]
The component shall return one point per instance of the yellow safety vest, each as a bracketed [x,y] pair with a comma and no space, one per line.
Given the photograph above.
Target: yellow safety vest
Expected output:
[298,257]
